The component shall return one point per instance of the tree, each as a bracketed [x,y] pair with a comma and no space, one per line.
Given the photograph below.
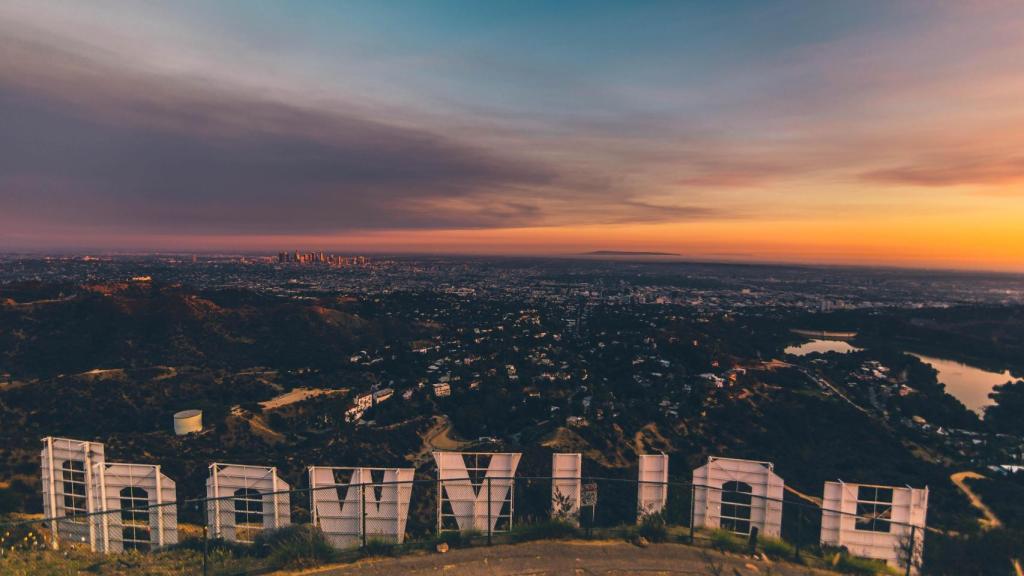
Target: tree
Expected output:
[1005,414]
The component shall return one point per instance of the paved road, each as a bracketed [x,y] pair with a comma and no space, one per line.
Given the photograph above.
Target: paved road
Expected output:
[575,558]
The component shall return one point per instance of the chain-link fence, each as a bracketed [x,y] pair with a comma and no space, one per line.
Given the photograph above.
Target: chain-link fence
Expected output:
[251,531]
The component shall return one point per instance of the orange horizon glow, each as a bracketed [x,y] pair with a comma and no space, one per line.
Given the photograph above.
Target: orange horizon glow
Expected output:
[935,242]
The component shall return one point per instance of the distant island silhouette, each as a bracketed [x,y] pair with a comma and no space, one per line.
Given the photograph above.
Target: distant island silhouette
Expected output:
[624,253]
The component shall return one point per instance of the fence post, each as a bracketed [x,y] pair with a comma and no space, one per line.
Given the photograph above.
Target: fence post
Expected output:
[799,530]
[593,521]
[362,493]
[490,526]
[693,504]
[313,524]
[206,550]
[911,548]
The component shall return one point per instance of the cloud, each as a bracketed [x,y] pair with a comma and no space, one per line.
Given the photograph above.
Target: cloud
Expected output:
[723,171]
[955,170]
[91,144]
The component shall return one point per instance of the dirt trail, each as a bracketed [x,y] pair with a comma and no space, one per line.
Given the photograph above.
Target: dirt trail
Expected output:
[583,558]
[257,425]
[438,437]
[990,520]
[812,499]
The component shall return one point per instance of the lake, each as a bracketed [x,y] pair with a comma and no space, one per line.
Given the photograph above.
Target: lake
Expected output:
[968,384]
[821,346]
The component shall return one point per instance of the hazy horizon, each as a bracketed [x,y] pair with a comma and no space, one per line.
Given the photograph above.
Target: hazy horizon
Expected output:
[639,257]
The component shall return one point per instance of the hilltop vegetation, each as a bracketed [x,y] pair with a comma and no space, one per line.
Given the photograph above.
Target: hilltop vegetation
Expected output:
[139,325]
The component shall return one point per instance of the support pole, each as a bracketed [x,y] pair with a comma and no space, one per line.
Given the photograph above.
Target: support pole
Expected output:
[362,493]
[216,504]
[799,530]
[159,506]
[490,525]
[53,495]
[693,504]
[440,508]
[911,546]
[273,489]
[105,517]
[590,528]
[312,496]
[206,550]
[88,498]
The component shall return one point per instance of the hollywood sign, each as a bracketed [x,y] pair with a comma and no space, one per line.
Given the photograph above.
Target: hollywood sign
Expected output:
[350,504]
[116,507]
[474,491]
[80,488]
[243,501]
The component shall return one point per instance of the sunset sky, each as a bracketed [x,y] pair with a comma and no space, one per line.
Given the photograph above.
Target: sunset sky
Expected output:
[827,132]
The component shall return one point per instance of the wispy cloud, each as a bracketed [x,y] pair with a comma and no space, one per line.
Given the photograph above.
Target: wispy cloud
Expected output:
[1006,171]
[103,146]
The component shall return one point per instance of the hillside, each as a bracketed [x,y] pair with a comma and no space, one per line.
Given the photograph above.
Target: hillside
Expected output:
[137,325]
[113,362]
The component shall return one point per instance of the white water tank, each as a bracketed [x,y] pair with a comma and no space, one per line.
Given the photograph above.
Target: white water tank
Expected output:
[188,422]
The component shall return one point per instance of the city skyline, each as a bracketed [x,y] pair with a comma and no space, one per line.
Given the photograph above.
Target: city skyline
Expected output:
[869,133]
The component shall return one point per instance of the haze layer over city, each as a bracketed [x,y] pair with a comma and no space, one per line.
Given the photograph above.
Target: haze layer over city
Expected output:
[717,287]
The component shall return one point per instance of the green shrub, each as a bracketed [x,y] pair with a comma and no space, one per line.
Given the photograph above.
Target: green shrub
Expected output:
[550,530]
[776,547]
[378,547]
[725,541]
[227,548]
[295,546]
[458,539]
[653,528]
[848,564]
[78,561]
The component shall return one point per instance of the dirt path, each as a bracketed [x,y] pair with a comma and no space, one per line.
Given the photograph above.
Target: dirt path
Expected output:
[257,424]
[438,437]
[576,558]
[812,499]
[824,382]
[990,520]
[44,301]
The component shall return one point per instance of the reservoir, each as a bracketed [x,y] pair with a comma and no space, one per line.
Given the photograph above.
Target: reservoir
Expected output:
[968,384]
[821,346]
